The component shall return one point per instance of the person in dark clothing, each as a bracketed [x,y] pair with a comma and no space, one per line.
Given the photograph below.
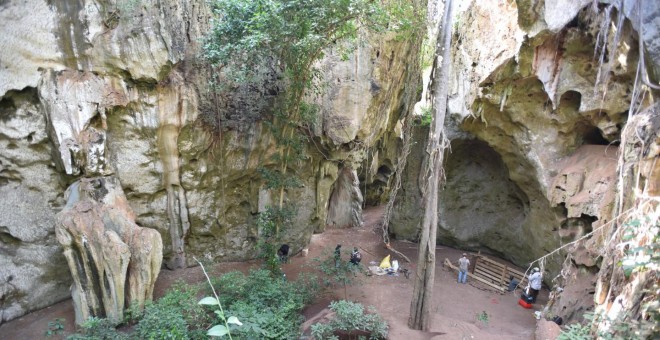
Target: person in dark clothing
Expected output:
[283,253]
[338,255]
[513,283]
[356,257]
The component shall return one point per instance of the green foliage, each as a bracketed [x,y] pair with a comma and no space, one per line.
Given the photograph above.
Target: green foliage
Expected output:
[575,331]
[269,307]
[483,317]
[248,32]
[351,317]
[336,272]
[291,36]
[98,329]
[428,53]
[224,328]
[269,222]
[426,116]
[55,327]
[160,322]
[275,179]
[642,257]
[175,316]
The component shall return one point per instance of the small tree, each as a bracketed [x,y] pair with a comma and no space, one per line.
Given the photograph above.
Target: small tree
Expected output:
[292,35]
[339,272]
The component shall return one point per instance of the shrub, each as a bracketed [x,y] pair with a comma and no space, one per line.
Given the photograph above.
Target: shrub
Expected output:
[175,316]
[575,332]
[55,327]
[162,322]
[98,329]
[268,306]
[351,317]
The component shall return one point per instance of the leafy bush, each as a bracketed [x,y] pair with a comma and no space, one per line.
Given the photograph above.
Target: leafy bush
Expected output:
[98,329]
[175,316]
[426,116]
[337,271]
[483,317]
[162,322]
[268,306]
[575,331]
[55,327]
[351,317]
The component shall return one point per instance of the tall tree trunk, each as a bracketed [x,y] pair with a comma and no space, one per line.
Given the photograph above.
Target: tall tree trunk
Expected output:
[420,305]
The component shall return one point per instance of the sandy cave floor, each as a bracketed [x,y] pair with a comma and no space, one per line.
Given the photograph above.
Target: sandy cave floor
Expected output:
[456,305]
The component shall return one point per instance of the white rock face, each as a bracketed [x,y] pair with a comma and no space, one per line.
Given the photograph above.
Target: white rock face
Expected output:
[30,194]
[101,88]
[28,43]
[71,100]
[558,13]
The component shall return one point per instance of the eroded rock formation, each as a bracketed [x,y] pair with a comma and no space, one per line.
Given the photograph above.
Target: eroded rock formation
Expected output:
[112,95]
[547,99]
[104,89]
[112,260]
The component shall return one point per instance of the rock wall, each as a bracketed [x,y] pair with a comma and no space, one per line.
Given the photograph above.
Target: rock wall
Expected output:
[116,88]
[550,116]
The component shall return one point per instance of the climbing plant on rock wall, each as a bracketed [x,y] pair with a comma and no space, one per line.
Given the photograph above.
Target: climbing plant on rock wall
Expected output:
[290,36]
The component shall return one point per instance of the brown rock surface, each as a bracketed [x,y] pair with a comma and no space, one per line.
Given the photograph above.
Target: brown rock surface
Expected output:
[106,251]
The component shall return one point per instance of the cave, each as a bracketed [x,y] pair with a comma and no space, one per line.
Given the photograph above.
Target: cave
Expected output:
[169,122]
[480,207]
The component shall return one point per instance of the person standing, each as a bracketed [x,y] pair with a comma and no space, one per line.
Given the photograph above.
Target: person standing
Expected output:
[337,255]
[283,253]
[535,279]
[463,265]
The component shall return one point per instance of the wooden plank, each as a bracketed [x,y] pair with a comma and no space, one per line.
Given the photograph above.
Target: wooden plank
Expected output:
[515,271]
[487,272]
[490,278]
[498,272]
[502,278]
[476,261]
[450,265]
[497,277]
[493,263]
[511,270]
[490,270]
[493,278]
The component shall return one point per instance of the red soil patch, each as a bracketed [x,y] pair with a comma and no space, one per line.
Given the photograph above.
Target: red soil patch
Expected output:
[454,315]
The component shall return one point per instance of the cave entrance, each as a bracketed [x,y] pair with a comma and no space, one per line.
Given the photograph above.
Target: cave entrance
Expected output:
[480,207]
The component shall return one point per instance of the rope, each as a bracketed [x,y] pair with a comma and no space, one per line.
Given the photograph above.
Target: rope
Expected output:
[541,260]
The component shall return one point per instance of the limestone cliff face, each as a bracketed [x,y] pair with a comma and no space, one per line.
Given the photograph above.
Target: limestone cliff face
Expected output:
[541,91]
[116,89]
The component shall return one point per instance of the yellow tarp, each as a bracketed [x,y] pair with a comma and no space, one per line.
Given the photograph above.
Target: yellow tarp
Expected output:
[385,263]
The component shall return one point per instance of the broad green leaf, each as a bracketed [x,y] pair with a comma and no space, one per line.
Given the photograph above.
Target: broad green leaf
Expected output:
[211,301]
[218,330]
[234,320]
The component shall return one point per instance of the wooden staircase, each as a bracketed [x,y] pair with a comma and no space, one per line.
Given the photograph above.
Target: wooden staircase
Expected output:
[492,273]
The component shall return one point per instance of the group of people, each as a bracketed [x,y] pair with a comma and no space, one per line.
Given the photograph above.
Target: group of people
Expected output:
[356,256]
[535,278]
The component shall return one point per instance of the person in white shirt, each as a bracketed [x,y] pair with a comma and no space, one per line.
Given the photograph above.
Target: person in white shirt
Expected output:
[463,264]
[535,279]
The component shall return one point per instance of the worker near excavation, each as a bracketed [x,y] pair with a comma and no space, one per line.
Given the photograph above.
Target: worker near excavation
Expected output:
[535,279]
[463,264]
